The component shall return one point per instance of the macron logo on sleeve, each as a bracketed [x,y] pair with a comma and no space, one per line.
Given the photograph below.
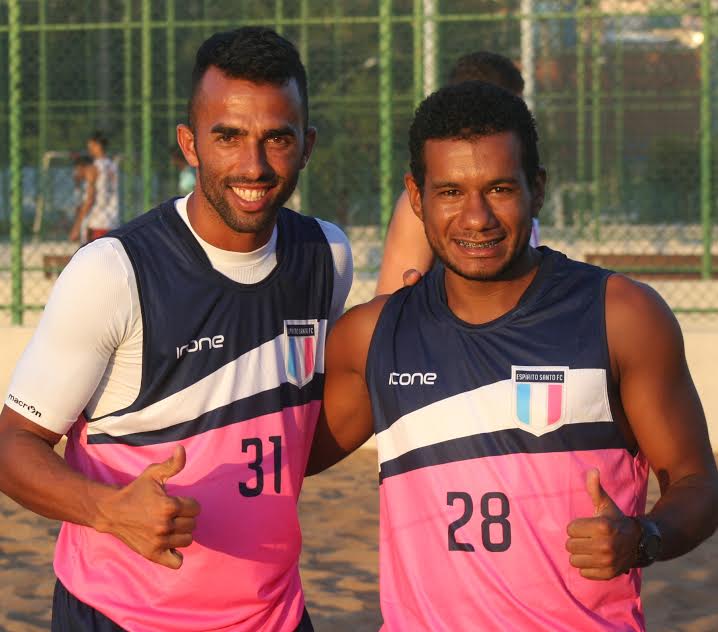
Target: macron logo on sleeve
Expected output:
[24,405]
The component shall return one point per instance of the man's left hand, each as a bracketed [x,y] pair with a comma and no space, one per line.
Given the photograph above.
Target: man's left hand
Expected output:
[606,545]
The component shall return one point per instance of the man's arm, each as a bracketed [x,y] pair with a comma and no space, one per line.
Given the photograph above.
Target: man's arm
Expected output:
[84,321]
[405,248]
[140,514]
[345,421]
[666,418]
[86,204]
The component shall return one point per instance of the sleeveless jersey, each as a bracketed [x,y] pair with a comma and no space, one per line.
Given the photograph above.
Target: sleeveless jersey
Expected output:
[105,211]
[485,434]
[234,373]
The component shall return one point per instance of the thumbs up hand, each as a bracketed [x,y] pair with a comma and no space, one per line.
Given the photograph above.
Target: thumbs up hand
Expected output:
[605,545]
[147,519]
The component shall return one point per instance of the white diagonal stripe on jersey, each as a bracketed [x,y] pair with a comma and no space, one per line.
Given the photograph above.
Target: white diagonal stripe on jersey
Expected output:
[488,409]
[258,370]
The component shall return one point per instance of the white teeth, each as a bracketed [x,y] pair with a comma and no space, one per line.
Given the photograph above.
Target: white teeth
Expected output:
[250,195]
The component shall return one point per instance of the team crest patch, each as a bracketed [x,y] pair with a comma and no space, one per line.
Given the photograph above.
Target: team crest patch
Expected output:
[539,397]
[300,350]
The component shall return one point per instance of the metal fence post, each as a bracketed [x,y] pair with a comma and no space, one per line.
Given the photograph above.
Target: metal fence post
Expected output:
[128,161]
[305,182]
[386,128]
[706,140]
[418,46]
[146,106]
[42,101]
[279,16]
[581,114]
[619,123]
[596,125]
[171,78]
[15,142]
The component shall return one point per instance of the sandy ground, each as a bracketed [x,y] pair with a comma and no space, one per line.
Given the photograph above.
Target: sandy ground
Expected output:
[339,512]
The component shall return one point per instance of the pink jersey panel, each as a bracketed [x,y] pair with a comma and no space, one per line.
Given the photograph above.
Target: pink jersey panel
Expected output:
[246,547]
[517,577]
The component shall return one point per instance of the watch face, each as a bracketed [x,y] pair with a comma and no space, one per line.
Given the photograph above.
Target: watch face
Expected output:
[651,546]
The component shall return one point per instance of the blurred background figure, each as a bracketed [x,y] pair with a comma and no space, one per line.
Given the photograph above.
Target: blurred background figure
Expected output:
[81,167]
[186,177]
[100,208]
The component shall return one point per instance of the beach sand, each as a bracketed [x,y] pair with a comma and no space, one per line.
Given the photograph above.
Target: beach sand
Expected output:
[339,512]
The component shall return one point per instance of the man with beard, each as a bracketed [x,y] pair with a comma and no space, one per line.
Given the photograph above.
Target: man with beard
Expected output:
[182,356]
[518,399]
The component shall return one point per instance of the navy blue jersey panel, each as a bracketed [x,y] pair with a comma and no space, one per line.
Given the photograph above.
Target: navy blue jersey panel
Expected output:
[570,438]
[186,303]
[559,321]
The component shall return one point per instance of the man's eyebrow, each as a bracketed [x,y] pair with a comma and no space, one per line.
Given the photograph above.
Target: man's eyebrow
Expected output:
[227,130]
[287,130]
[443,184]
[498,181]
[447,184]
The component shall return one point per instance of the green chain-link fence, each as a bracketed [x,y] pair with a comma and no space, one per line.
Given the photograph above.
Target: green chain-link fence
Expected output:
[622,91]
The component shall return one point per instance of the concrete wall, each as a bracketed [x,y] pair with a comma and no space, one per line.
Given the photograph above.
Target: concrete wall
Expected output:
[701,340]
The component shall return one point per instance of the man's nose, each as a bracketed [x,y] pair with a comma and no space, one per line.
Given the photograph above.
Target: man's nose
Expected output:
[477,213]
[252,162]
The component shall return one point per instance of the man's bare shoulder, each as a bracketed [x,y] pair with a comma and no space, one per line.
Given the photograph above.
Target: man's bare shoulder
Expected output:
[361,319]
[640,324]
[633,302]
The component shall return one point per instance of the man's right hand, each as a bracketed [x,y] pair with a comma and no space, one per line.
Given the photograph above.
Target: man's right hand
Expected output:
[147,519]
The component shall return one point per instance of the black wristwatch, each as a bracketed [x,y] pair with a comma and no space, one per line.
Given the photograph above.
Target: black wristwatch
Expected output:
[649,546]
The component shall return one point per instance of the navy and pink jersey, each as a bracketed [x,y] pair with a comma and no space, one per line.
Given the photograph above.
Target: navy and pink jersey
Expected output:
[485,434]
[234,373]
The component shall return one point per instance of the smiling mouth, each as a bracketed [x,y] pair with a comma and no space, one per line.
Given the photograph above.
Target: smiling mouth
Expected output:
[464,243]
[249,195]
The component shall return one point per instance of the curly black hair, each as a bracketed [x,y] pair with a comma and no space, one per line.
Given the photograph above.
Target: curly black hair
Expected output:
[489,67]
[467,110]
[255,53]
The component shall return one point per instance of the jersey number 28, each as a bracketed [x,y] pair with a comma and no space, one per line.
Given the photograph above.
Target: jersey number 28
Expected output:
[500,518]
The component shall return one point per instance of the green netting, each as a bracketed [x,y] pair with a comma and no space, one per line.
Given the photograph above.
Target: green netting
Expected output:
[622,92]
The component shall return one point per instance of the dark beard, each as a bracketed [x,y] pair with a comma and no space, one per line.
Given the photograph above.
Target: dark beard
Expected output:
[256,223]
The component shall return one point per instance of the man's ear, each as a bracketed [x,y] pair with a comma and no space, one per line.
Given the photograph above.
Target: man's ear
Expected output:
[538,191]
[414,193]
[185,139]
[310,137]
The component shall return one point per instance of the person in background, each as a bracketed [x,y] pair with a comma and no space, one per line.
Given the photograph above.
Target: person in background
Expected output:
[100,208]
[186,177]
[81,166]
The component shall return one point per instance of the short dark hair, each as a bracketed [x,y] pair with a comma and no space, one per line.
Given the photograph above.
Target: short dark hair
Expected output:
[254,53]
[467,110]
[99,137]
[489,67]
